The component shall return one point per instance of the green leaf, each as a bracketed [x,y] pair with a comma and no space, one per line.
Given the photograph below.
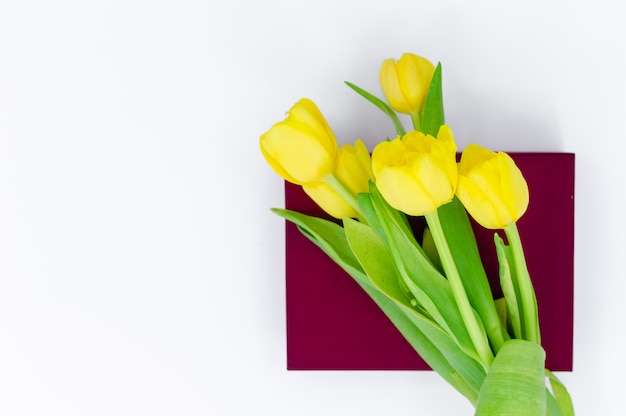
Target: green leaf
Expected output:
[552,407]
[433,115]
[434,345]
[374,257]
[515,383]
[561,395]
[509,287]
[327,235]
[501,309]
[431,289]
[428,244]
[331,238]
[382,106]
[462,242]
[369,213]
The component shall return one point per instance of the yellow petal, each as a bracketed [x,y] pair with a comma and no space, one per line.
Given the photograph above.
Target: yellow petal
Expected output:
[472,156]
[386,154]
[390,85]
[364,157]
[296,155]
[405,83]
[477,204]
[301,148]
[434,180]
[446,138]
[514,186]
[329,200]
[354,167]
[491,187]
[306,113]
[415,74]
[400,189]
[418,173]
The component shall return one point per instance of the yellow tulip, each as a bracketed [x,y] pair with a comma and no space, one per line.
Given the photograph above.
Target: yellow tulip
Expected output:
[491,187]
[329,200]
[302,148]
[418,173]
[405,83]
[354,167]
[353,171]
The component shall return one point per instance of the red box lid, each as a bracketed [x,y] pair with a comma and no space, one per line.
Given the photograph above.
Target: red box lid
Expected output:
[333,325]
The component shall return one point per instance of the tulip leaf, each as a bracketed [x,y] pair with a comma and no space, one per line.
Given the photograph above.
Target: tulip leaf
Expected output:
[433,115]
[331,238]
[366,205]
[327,235]
[527,299]
[462,242]
[374,257]
[382,106]
[509,287]
[561,395]
[429,340]
[431,289]
[515,383]
[552,407]
[428,244]
[369,213]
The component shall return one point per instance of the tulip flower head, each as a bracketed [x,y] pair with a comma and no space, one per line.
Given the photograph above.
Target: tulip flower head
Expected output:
[491,187]
[353,169]
[302,148]
[417,173]
[405,83]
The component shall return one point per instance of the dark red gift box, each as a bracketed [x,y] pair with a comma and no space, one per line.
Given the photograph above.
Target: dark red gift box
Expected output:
[333,325]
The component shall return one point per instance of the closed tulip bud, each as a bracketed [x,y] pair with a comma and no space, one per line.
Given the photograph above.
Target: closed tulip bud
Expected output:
[491,187]
[354,167]
[405,83]
[418,173]
[353,170]
[302,148]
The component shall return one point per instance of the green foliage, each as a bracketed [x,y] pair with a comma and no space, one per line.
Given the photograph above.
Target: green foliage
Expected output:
[383,106]
[515,384]
[561,396]
[509,287]
[433,115]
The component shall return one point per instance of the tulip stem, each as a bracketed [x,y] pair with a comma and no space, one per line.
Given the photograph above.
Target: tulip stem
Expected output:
[527,292]
[416,118]
[344,192]
[476,332]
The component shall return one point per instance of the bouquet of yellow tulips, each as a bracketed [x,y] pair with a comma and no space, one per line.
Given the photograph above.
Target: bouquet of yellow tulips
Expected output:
[433,287]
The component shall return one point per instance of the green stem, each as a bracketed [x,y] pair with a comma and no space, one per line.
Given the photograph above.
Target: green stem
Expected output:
[469,317]
[527,292]
[416,118]
[345,193]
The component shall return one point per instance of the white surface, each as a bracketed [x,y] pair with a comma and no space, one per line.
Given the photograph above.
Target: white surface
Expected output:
[141,271]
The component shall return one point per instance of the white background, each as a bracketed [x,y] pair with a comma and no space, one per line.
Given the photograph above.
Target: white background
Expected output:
[141,271]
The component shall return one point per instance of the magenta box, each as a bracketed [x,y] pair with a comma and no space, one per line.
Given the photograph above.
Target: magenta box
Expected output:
[333,325]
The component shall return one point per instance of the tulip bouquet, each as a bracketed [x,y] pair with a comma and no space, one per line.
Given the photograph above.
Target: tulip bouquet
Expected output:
[433,287]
